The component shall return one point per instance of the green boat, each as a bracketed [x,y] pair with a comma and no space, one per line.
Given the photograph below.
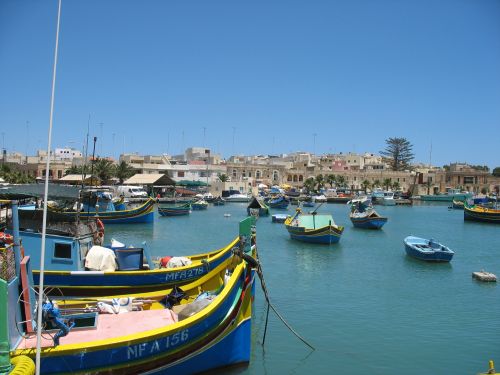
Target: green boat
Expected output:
[449,196]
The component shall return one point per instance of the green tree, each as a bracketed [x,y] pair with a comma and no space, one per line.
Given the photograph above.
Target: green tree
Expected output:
[320,181]
[75,169]
[123,171]
[341,181]
[104,169]
[387,183]
[496,172]
[376,183]
[223,177]
[366,185]
[395,186]
[310,184]
[331,179]
[398,153]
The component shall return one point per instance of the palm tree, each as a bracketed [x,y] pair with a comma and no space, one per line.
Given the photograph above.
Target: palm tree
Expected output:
[75,169]
[104,169]
[366,185]
[320,181]
[223,177]
[341,181]
[123,171]
[395,186]
[331,179]
[376,183]
[387,183]
[309,184]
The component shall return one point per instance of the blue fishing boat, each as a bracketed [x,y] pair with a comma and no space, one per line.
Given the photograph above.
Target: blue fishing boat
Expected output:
[278,202]
[363,215]
[313,227]
[203,326]
[428,250]
[75,265]
[448,196]
[179,210]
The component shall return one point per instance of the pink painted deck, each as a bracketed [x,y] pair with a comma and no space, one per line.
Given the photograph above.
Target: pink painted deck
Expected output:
[110,326]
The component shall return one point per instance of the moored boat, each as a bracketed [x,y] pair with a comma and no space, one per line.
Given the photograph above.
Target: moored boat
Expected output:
[75,266]
[257,207]
[203,326]
[427,249]
[218,201]
[480,213]
[363,215]
[448,196]
[279,202]
[199,205]
[457,204]
[175,210]
[313,227]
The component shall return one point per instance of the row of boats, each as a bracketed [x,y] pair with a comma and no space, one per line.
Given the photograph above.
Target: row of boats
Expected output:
[116,309]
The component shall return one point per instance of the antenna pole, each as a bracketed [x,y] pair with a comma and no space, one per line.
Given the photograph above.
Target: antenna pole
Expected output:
[46,194]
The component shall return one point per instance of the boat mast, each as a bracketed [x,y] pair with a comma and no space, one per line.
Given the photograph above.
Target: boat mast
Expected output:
[46,194]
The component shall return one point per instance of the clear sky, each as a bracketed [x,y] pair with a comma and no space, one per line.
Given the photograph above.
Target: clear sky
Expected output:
[249,77]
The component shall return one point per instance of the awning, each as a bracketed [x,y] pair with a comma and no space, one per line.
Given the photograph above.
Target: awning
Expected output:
[150,179]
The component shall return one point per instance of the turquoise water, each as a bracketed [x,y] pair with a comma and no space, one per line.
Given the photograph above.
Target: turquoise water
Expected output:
[363,304]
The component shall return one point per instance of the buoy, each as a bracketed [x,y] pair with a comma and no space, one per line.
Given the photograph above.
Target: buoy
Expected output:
[227,215]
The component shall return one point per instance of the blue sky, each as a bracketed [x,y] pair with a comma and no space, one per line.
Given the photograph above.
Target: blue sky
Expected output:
[274,76]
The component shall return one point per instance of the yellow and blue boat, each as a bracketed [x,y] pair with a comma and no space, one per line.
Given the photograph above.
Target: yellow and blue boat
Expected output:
[313,228]
[68,244]
[153,332]
[481,213]
[175,210]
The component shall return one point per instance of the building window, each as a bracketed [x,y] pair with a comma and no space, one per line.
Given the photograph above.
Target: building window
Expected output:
[289,178]
[62,250]
[234,173]
[275,176]
[295,178]
[468,180]
[180,174]
[301,178]
[258,174]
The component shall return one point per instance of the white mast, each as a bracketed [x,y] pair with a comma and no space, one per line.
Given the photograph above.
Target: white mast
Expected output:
[46,193]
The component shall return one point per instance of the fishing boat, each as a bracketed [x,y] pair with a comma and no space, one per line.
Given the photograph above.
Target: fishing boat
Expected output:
[75,265]
[199,205]
[203,326]
[457,204]
[428,250]
[257,207]
[448,196]
[481,213]
[219,201]
[99,204]
[179,210]
[278,202]
[313,227]
[388,199]
[363,215]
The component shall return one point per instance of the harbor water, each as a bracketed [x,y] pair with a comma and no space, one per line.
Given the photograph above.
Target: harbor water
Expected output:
[365,306]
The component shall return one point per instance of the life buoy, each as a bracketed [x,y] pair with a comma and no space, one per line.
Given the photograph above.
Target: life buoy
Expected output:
[99,235]
[6,238]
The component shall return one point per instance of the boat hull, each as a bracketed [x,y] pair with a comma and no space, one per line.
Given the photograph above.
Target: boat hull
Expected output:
[218,338]
[328,235]
[369,222]
[445,197]
[419,248]
[482,214]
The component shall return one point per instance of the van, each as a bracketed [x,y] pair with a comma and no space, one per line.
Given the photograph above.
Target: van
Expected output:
[129,191]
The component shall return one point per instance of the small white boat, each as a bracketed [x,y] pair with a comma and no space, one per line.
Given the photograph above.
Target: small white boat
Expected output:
[238,198]
[388,199]
[319,198]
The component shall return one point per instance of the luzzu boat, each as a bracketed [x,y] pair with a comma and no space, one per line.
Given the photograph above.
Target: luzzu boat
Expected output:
[481,213]
[67,258]
[106,212]
[313,227]
[179,210]
[203,326]
[363,215]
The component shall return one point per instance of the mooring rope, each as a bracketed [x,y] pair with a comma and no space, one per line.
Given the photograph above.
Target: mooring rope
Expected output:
[256,263]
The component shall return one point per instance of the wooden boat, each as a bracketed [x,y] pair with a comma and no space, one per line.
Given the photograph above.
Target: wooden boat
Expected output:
[257,207]
[457,204]
[278,202]
[313,227]
[219,201]
[363,215]
[199,205]
[428,250]
[203,326]
[66,258]
[480,213]
[143,213]
[183,209]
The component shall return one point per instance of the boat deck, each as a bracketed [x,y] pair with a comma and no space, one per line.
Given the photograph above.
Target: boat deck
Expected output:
[109,326]
[315,221]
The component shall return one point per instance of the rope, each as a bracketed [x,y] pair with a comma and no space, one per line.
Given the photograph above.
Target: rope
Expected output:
[270,305]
